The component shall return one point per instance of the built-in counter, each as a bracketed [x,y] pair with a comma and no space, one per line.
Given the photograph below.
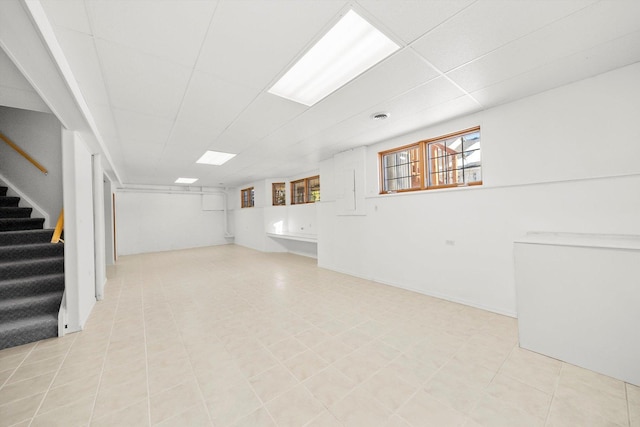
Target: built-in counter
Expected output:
[578,300]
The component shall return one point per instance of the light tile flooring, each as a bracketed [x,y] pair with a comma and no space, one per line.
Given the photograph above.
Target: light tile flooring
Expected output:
[227,336]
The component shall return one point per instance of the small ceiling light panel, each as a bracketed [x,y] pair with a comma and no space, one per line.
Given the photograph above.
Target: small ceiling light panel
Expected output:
[349,49]
[216,158]
[186,180]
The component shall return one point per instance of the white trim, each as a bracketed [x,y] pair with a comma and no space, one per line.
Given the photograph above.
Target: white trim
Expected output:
[62,315]
[300,237]
[27,200]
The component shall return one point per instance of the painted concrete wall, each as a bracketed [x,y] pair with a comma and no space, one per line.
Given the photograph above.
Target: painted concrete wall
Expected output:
[152,221]
[564,160]
[252,224]
[39,135]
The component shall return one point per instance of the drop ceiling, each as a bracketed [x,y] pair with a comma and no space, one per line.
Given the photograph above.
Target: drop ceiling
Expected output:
[167,80]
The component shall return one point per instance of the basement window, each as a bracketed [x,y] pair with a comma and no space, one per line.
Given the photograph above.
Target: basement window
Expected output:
[451,160]
[278,194]
[305,190]
[247,197]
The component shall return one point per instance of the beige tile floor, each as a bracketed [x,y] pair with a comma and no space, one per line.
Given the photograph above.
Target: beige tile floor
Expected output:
[227,336]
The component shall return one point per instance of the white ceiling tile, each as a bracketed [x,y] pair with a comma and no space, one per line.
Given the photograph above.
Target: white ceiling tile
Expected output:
[605,57]
[229,143]
[80,52]
[409,19]
[188,136]
[393,77]
[264,115]
[145,153]
[70,14]
[361,126]
[140,82]
[210,104]
[592,26]
[486,25]
[141,159]
[182,154]
[103,117]
[252,41]
[171,30]
[432,93]
[137,128]
[437,114]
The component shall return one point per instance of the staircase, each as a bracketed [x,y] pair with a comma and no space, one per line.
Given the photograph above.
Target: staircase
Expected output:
[31,276]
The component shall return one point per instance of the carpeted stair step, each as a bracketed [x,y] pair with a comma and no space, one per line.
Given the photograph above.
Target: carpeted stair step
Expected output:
[31,251]
[25,307]
[25,268]
[15,212]
[14,224]
[23,237]
[34,285]
[3,191]
[9,201]
[28,330]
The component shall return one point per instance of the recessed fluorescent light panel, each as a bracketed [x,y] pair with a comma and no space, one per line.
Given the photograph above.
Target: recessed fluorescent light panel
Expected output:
[215,158]
[350,48]
[186,180]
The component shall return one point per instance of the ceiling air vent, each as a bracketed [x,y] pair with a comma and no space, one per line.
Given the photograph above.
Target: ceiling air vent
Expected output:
[380,116]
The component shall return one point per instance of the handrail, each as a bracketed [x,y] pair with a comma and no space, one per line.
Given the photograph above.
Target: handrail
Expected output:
[23,153]
[59,227]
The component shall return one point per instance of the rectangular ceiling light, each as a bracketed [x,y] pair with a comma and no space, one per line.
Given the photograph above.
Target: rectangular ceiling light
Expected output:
[186,180]
[215,158]
[350,48]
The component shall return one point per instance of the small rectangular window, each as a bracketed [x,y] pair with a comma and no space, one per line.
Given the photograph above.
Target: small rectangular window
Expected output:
[455,161]
[305,190]
[447,161]
[401,169]
[247,197]
[278,194]
[313,189]
[297,192]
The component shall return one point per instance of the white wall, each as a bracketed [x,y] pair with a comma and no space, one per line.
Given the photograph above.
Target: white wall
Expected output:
[79,233]
[250,225]
[153,221]
[39,135]
[564,160]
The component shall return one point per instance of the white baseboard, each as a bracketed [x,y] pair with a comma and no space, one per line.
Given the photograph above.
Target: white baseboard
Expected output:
[431,294]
